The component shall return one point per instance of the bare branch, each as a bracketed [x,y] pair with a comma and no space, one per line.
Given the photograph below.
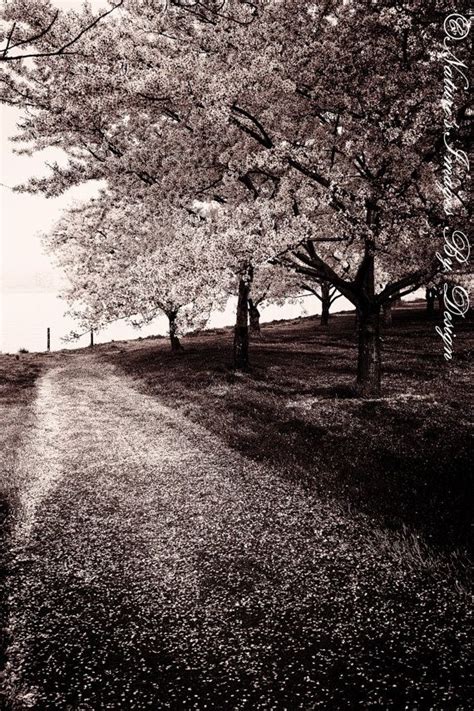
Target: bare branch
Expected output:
[262,137]
[10,34]
[60,50]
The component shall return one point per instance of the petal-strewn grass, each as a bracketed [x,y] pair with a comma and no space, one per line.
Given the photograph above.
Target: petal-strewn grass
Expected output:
[164,568]
[405,460]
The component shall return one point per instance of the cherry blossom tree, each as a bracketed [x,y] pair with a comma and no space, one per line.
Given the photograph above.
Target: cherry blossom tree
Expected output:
[367,142]
[272,284]
[119,267]
[230,104]
[244,242]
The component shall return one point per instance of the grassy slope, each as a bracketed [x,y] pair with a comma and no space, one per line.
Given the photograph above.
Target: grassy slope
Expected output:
[404,460]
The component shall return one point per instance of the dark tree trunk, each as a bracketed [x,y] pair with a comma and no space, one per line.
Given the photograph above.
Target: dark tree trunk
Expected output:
[356,321]
[325,303]
[369,359]
[397,301]
[173,331]
[241,331]
[430,302]
[440,301]
[325,314]
[387,314]
[369,351]
[440,296]
[254,316]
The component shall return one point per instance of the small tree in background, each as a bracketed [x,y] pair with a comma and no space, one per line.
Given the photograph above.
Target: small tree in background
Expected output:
[326,294]
[119,267]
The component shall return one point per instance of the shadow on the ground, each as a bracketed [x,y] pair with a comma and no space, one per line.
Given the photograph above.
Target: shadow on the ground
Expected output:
[404,459]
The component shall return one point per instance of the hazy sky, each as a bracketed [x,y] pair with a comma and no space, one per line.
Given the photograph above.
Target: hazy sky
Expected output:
[23,217]
[25,269]
[29,283]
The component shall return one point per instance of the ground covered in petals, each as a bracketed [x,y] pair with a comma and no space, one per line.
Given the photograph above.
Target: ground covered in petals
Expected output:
[404,460]
[160,561]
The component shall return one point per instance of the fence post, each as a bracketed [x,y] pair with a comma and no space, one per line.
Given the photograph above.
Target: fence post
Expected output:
[92,337]
[48,339]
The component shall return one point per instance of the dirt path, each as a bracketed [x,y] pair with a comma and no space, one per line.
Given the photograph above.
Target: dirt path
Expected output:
[156,568]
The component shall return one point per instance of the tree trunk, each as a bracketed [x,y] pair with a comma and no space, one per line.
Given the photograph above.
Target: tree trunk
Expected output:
[396,300]
[430,302]
[241,331]
[440,296]
[254,315]
[387,314]
[173,330]
[356,321]
[325,303]
[369,359]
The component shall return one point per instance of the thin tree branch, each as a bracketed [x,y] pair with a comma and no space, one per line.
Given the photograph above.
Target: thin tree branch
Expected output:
[60,50]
